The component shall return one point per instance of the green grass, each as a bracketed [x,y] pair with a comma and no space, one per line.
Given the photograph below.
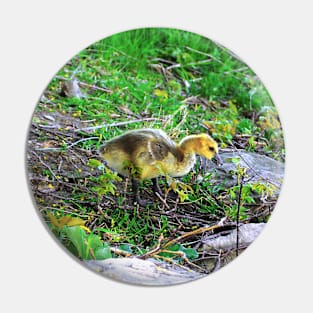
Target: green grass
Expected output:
[181,80]
[127,64]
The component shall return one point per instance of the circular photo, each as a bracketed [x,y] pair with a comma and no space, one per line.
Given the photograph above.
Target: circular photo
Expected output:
[155,156]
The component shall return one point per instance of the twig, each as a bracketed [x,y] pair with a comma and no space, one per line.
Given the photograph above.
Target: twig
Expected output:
[237,70]
[175,206]
[75,71]
[238,215]
[191,233]
[217,265]
[68,147]
[48,126]
[82,84]
[55,195]
[163,200]
[178,65]
[204,53]
[120,252]
[171,261]
[60,165]
[147,119]
[173,66]
[46,165]
[44,179]
[163,60]
[63,210]
[184,257]
[154,250]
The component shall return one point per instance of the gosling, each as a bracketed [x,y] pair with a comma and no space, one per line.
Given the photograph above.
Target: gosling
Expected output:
[149,153]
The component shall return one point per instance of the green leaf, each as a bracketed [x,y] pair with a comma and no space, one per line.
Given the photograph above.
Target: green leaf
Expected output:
[182,195]
[161,93]
[232,194]
[94,163]
[94,242]
[78,237]
[245,126]
[190,253]
[103,252]
[250,200]
[234,160]
[126,247]
[87,245]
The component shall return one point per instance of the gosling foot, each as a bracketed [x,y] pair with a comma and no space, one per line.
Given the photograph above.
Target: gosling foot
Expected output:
[156,188]
[172,195]
[136,197]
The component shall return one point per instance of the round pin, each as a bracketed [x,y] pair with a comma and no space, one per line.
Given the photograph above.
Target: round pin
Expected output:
[155,156]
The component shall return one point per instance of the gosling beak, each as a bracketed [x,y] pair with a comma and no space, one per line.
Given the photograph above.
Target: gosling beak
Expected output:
[218,159]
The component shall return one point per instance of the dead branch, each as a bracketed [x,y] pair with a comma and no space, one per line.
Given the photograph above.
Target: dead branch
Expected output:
[182,254]
[46,165]
[238,214]
[169,260]
[94,87]
[147,119]
[120,252]
[163,201]
[68,147]
[154,250]
[204,53]
[191,233]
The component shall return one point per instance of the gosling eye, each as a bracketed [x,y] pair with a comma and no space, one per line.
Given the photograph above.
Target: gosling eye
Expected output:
[211,149]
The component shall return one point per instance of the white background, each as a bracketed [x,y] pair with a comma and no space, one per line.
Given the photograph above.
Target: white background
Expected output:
[274,38]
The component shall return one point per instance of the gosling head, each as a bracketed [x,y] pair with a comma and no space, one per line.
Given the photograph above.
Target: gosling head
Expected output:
[201,144]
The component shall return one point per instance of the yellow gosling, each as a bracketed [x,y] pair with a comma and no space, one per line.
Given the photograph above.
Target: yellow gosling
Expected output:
[150,153]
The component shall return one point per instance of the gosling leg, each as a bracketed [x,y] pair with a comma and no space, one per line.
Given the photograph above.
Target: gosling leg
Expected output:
[156,187]
[136,196]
